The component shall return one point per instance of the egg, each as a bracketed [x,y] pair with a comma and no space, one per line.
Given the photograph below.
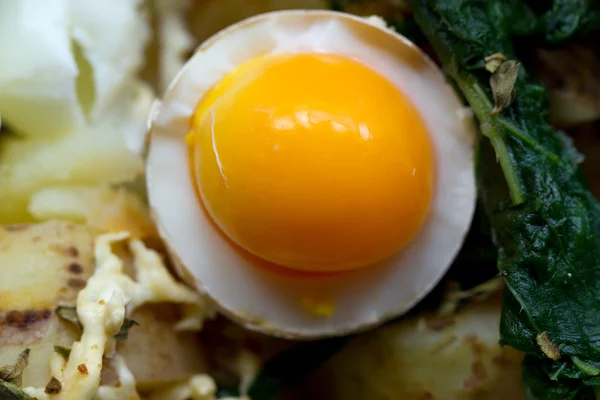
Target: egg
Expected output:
[311,172]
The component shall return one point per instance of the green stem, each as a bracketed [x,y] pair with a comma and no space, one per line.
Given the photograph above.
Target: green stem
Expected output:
[477,99]
[491,127]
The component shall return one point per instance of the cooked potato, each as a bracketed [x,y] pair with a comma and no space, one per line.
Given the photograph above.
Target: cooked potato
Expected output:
[207,17]
[571,75]
[45,265]
[103,208]
[82,159]
[425,357]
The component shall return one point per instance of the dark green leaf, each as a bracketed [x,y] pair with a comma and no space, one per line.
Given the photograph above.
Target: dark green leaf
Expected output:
[13,373]
[545,221]
[291,367]
[11,391]
[538,387]
[568,18]
[407,27]
[124,331]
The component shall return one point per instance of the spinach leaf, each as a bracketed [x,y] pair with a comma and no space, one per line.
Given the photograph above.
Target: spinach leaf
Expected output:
[568,18]
[291,367]
[537,385]
[545,221]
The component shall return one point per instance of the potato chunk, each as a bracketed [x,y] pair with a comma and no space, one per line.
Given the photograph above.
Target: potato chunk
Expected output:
[425,357]
[45,265]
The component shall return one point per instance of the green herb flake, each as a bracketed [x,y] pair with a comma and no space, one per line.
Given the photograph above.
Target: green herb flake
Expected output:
[63,351]
[586,368]
[124,331]
[69,314]
[547,347]
[13,373]
[502,83]
[53,387]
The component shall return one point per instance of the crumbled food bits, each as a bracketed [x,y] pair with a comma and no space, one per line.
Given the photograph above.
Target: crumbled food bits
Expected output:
[376,21]
[548,348]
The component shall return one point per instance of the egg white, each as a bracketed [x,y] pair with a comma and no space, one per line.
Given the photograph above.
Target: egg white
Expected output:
[270,302]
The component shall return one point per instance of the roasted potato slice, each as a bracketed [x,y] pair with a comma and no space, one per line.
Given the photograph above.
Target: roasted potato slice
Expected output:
[425,357]
[43,266]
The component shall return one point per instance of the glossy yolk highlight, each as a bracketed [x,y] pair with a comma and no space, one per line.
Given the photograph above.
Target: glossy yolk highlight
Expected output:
[312,161]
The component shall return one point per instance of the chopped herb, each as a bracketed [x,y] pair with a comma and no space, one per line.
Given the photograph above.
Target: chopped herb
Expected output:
[63,351]
[69,314]
[124,331]
[588,369]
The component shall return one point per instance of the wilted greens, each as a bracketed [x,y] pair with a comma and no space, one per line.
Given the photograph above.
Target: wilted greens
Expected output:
[545,221]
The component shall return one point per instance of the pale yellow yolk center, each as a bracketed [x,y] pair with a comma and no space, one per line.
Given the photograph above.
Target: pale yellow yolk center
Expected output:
[314,162]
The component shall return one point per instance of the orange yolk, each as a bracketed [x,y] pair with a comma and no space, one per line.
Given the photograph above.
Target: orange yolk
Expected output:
[313,162]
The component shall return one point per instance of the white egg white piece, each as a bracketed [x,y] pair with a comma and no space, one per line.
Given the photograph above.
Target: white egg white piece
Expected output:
[275,303]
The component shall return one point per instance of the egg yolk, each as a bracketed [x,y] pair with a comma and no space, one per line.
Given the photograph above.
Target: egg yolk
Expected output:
[314,162]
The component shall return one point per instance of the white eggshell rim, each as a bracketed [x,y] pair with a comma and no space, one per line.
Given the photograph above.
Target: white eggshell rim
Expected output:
[263,300]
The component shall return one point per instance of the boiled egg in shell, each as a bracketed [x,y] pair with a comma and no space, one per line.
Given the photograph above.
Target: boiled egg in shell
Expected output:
[311,172]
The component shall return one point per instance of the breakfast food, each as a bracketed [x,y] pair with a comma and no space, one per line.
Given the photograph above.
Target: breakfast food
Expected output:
[73,118]
[305,174]
[429,355]
[50,264]
[309,189]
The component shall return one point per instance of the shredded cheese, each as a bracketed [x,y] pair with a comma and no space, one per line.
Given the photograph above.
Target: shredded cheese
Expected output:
[102,305]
